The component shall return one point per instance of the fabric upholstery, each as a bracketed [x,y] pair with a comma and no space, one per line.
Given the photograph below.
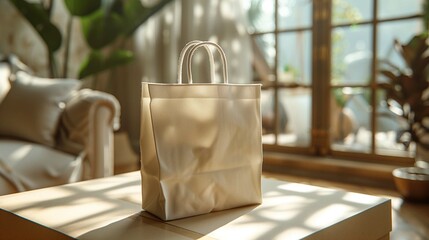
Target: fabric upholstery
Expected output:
[84,147]
[32,108]
[51,134]
[9,66]
[75,121]
[35,166]
[4,80]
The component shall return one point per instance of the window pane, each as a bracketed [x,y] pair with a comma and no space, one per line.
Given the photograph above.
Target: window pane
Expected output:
[351,55]
[350,119]
[294,117]
[267,112]
[351,11]
[294,13]
[403,31]
[261,15]
[398,8]
[295,57]
[389,127]
[264,53]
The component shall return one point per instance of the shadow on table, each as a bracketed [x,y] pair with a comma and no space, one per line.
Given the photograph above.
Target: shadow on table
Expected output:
[289,211]
[143,225]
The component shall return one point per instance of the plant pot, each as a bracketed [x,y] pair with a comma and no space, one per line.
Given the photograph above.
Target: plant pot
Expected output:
[412,183]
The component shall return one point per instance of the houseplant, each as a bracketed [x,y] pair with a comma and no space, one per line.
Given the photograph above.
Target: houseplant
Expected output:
[407,94]
[105,24]
[407,88]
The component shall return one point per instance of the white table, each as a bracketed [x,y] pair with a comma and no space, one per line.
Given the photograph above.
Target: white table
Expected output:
[110,208]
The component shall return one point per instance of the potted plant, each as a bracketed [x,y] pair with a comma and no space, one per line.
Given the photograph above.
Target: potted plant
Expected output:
[407,94]
[407,88]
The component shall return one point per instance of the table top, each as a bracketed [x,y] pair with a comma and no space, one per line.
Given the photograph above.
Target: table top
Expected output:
[110,208]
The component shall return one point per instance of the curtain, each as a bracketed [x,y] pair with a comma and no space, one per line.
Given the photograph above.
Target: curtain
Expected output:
[158,42]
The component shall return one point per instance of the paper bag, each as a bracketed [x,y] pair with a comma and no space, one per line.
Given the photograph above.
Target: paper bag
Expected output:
[201,147]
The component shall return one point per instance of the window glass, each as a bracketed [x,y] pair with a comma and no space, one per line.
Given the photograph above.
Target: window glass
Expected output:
[260,14]
[351,11]
[268,118]
[350,119]
[351,55]
[265,53]
[401,31]
[294,13]
[294,64]
[389,125]
[398,8]
[295,117]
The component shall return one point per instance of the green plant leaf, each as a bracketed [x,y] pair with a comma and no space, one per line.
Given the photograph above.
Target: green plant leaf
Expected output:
[339,97]
[413,50]
[82,7]
[92,64]
[389,74]
[100,28]
[113,6]
[421,66]
[119,57]
[96,62]
[39,19]
[135,14]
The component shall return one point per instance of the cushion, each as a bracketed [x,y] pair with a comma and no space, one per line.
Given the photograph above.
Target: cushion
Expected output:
[34,166]
[9,66]
[32,107]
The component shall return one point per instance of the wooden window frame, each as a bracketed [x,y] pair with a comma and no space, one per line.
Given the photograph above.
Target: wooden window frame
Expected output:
[321,87]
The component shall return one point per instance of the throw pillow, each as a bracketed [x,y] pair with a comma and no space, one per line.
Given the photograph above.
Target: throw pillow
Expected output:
[32,108]
[9,66]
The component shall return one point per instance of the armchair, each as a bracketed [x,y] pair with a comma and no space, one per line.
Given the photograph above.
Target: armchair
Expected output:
[52,132]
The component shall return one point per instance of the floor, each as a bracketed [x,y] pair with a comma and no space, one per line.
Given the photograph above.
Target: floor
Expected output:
[410,221]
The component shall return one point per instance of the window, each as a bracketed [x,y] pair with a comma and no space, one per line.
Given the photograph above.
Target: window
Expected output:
[318,63]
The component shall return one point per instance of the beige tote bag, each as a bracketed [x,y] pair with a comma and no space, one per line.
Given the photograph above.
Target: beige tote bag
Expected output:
[200,144]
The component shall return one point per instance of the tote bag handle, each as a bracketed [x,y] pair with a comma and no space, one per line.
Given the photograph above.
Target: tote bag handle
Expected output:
[222,55]
[182,57]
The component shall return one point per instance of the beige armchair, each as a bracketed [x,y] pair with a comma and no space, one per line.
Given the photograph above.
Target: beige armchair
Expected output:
[52,132]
